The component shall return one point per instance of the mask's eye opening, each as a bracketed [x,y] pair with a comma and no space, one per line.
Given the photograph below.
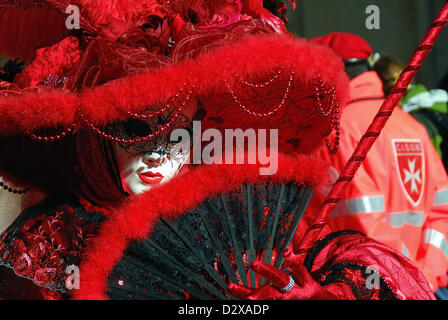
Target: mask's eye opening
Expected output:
[136,128]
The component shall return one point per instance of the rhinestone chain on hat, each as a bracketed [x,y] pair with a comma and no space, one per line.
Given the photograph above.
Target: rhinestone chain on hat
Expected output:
[151,136]
[265,114]
[262,85]
[53,138]
[321,91]
[144,116]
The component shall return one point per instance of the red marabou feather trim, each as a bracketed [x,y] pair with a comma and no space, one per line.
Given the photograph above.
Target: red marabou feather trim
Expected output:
[256,57]
[35,110]
[135,220]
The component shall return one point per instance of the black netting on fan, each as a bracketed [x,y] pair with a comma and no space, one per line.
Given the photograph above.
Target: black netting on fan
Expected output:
[198,254]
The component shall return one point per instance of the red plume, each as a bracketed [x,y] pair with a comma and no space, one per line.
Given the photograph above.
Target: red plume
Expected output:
[256,8]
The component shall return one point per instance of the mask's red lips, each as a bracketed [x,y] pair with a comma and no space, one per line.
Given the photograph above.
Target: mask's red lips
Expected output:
[151,177]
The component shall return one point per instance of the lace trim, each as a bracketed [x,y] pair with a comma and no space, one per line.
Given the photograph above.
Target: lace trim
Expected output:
[356,276]
[319,245]
[47,238]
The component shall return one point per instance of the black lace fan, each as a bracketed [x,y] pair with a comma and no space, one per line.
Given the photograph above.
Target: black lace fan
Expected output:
[198,254]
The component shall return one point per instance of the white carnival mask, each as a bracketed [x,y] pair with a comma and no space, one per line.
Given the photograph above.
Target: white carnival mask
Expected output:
[142,172]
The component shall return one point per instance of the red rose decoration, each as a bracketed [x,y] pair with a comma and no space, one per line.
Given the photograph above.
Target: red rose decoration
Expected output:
[38,250]
[19,246]
[44,276]
[54,260]
[33,238]
[23,265]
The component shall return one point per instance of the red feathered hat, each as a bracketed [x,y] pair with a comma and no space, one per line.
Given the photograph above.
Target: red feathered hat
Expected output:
[233,57]
[346,45]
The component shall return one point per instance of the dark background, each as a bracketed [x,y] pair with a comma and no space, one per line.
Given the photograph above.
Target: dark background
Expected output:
[403,24]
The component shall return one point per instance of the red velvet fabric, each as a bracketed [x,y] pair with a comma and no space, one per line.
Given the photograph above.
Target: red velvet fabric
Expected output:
[58,60]
[100,176]
[27,27]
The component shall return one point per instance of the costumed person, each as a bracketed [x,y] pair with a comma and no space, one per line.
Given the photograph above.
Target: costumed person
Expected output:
[399,194]
[108,113]
[80,172]
[429,107]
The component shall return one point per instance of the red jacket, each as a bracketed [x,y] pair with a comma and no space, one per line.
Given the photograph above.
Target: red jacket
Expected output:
[399,195]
